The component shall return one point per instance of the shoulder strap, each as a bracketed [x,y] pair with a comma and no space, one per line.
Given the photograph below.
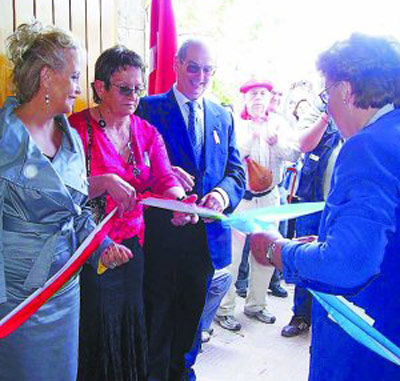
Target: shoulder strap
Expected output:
[90,140]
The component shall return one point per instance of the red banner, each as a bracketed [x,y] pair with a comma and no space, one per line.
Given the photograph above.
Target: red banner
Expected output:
[162,46]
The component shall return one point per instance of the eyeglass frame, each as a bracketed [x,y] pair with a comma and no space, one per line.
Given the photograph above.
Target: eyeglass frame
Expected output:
[127,91]
[198,68]
[323,95]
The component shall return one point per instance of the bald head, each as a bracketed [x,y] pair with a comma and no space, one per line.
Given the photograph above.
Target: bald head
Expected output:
[194,68]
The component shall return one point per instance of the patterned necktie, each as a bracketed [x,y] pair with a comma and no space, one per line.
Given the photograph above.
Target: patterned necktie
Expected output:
[194,130]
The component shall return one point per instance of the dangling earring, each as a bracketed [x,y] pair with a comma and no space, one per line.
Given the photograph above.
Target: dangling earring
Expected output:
[47,99]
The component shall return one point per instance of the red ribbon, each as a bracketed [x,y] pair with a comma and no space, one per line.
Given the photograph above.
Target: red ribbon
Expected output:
[24,311]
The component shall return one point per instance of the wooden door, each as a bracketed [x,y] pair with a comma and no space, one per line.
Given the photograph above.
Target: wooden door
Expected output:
[93,22]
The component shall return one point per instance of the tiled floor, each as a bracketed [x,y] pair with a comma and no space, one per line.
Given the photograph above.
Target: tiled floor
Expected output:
[258,352]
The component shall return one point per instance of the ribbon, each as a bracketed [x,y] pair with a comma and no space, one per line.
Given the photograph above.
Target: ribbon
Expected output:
[30,305]
[358,325]
[245,222]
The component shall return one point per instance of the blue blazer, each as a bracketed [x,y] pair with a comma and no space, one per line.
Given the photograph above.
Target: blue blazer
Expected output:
[222,165]
[357,254]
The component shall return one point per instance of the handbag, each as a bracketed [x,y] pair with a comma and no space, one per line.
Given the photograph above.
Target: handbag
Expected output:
[260,178]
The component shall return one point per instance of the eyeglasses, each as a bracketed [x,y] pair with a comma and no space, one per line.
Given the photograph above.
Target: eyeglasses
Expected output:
[128,91]
[324,93]
[194,68]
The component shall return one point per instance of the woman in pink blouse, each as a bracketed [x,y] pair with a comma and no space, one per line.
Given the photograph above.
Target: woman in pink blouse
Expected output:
[125,157]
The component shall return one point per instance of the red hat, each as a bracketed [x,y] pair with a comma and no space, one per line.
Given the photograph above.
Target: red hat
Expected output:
[254,83]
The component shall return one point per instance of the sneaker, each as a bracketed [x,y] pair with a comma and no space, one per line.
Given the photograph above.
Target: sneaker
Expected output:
[206,335]
[228,322]
[264,316]
[297,326]
[278,291]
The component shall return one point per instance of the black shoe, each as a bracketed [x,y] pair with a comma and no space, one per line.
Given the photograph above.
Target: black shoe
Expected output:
[241,292]
[278,291]
[297,326]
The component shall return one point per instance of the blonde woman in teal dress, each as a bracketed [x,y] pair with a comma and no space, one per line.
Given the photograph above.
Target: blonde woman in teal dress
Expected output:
[43,192]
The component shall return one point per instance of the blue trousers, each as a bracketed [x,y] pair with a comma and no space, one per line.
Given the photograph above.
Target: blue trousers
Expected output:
[306,225]
[219,286]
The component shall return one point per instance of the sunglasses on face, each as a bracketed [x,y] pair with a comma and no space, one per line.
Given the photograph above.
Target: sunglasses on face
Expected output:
[128,91]
[194,68]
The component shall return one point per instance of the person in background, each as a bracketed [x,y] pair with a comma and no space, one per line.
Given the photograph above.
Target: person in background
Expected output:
[265,146]
[43,193]
[200,140]
[125,157]
[321,142]
[356,254]
[242,281]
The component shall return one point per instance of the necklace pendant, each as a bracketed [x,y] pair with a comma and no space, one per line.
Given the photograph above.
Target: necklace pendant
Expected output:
[136,171]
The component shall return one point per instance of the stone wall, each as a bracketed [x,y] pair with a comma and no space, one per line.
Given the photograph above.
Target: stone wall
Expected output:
[133,25]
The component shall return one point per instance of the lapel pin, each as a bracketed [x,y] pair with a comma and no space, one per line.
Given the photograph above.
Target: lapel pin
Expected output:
[216,137]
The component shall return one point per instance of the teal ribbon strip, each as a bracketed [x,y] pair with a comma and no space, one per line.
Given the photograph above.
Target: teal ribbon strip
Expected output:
[357,327]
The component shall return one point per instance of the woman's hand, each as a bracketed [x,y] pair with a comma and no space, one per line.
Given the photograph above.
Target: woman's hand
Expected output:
[115,255]
[185,178]
[181,219]
[123,194]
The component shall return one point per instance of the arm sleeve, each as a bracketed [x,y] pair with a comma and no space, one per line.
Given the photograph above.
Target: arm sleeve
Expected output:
[3,297]
[84,223]
[234,181]
[357,221]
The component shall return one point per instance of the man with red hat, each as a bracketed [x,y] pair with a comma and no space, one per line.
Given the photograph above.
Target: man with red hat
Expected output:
[264,145]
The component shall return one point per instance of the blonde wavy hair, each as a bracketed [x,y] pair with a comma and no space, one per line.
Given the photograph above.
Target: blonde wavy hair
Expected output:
[30,48]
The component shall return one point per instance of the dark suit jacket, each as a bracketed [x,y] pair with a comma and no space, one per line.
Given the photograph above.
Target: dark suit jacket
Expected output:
[222,165]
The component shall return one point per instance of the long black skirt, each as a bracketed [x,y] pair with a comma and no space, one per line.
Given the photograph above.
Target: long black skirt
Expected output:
[112,343]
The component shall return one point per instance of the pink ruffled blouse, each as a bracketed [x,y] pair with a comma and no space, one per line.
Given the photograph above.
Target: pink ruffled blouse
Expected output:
[151,160]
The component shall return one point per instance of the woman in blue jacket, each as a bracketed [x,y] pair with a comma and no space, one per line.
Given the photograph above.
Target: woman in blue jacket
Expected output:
[357,253]
[43,192]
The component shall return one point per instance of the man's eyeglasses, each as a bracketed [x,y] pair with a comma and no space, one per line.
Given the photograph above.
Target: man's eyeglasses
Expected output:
[194,68]
[324,93]
[128,91]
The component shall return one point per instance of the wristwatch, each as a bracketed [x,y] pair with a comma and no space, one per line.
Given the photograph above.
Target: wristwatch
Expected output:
[270,251]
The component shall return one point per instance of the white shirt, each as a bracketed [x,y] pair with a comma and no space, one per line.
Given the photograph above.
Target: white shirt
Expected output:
[182,101]
[199,109]
[252,142]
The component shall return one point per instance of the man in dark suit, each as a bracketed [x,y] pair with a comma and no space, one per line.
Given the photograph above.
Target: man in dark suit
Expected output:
[180,261]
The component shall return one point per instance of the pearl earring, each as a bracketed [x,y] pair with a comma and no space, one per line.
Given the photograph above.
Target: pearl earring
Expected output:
[47,99]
